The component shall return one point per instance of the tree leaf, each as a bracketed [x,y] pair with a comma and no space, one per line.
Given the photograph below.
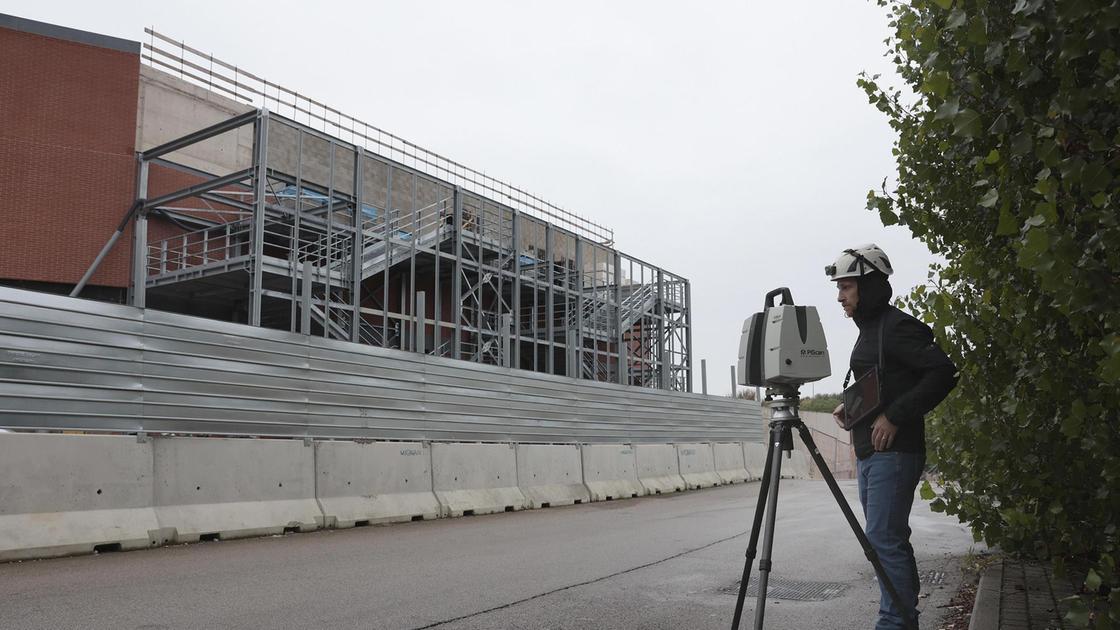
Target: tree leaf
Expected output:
[1095,177]
[1034,248]
[1045,212]
[956,19]
[937,83]
[1026,7]
[1047,151]
[927,492]
[948,109]
[1071,426]
[1021,144]
[1092,581]
[994,53]
[1008,225]
[990,198]
[1022,31]
[967,123]
[993,157]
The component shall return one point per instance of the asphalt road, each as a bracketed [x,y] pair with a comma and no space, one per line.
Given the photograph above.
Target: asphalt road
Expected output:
[666,562]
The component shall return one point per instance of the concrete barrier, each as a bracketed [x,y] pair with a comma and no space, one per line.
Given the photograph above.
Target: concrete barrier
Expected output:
[380,482]
[730,462]
[229,487]
[476,478]
[698,465]
[797,466]
[550,474]
[755,455]
[658,468]
[610,471]
[72,494]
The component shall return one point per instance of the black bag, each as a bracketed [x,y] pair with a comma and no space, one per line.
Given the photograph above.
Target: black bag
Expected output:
[864,399]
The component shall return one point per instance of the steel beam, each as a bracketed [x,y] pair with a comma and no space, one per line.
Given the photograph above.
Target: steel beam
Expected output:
[202,134]
[198,189]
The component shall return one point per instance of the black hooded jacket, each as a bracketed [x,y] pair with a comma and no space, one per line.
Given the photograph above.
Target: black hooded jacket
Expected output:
[916,375]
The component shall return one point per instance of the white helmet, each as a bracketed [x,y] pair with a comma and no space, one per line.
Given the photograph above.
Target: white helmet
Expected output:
[860,261]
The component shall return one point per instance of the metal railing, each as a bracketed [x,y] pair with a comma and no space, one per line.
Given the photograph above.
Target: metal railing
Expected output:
[393,233]
[202,247]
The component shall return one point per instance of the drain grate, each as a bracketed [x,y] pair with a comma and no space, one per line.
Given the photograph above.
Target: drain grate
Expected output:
[778,588]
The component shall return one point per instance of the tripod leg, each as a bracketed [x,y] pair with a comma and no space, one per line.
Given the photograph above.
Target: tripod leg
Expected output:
[764,564]
[756,528]
[868,550]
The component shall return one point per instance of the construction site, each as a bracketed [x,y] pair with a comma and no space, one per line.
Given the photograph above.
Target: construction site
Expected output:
[230,310]
[248,202]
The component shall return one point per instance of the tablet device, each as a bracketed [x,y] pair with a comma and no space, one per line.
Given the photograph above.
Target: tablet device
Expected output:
[863,399]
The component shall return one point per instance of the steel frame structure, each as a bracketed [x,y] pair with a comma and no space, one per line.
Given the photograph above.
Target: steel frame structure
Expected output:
[324,237]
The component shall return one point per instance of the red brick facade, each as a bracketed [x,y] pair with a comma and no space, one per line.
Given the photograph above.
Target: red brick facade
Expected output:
[67,165]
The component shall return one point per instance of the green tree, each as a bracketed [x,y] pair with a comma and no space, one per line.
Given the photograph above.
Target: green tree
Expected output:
[824,403]
[1008,152]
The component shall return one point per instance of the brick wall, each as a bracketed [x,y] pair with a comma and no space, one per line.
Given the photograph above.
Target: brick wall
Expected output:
[67,166]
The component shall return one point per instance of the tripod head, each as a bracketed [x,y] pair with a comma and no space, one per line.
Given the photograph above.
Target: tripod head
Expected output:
[784,402]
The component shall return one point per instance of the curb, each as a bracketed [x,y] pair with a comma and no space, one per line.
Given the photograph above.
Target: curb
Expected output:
[985,607]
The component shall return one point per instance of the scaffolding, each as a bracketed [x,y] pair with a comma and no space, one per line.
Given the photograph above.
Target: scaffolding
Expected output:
[315,234]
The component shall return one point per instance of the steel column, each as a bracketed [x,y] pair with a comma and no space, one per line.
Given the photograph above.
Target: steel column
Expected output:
[356,250]
[260,162]
[622,367]
[550,332]
[140,243]
[516,307]
[578,339]
[457,285]
[664,370]
[419,322]
[688,332]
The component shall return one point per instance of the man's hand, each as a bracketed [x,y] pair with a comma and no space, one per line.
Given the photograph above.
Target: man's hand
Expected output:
[838,415]
[882,433]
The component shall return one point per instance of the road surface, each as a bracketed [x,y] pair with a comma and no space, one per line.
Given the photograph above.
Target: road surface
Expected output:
[663,562]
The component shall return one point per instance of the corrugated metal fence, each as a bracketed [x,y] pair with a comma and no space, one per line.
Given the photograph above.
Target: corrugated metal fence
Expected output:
[78,364]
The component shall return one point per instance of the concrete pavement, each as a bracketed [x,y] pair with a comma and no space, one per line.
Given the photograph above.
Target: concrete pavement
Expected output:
[665,562]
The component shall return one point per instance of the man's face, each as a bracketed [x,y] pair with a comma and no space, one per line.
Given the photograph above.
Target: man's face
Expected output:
[848,295]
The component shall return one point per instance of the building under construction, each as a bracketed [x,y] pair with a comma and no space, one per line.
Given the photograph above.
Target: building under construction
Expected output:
[244,201]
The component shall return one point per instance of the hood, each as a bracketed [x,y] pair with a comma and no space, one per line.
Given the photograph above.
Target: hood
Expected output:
[874,295]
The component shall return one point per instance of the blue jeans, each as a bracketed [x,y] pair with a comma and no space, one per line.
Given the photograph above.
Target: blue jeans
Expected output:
[887,481]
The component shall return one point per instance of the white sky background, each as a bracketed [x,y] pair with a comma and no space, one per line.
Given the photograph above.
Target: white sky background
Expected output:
[726,142]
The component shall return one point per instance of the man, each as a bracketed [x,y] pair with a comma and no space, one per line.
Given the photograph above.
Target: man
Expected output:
[915,375]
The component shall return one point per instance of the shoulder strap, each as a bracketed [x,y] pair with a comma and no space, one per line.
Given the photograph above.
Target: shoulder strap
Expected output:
[848,376]
[882,321]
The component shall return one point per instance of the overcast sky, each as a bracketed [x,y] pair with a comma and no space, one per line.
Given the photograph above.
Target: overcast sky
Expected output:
[723,141]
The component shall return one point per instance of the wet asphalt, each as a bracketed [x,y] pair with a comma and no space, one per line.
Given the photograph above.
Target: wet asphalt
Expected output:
[662,562]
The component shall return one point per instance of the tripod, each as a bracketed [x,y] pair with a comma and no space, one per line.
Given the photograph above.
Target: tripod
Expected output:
[784,417]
